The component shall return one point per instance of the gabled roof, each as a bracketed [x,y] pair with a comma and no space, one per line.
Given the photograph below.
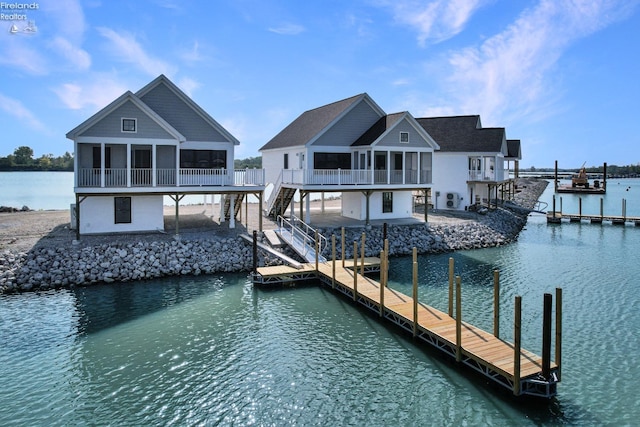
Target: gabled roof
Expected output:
[386,124]
[514,149]
[163,80]
[154,115]
[313,123]
[124,98]
[464,134]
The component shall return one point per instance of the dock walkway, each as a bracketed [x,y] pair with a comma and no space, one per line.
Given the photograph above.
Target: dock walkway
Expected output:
[478,349]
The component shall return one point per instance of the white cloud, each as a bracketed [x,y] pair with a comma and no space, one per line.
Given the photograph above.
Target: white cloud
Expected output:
[435,20]
[94,94]
[192,55]
[511,73]
[125,47]
[77,57]
[21,55]
[188,85]
[16,109]
[288,29]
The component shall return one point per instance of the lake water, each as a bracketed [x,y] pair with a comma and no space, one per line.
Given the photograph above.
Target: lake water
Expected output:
[216,351]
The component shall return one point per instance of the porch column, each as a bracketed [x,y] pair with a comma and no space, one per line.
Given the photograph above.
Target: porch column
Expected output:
[178,167]
[404,167]
[388,167]
[128,165]
[154,150]
[232,211]
[427,193]
[211,206]
[419,163]
[322,202]
[301,202]
[259,212]
[307,214]
[102,163]
[75,164]
[367,195]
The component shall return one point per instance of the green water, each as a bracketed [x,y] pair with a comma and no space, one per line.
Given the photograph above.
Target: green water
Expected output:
[216,351]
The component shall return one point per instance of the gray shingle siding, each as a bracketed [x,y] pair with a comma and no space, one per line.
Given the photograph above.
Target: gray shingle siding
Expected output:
[111,125]
[179,115]
[350,127]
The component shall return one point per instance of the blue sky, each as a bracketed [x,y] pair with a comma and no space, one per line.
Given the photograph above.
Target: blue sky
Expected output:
[562,76]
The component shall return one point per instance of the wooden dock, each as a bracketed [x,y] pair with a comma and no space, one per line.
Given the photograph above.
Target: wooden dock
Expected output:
[520,371]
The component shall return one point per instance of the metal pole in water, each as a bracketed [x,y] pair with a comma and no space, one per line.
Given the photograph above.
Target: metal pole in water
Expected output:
[580,207]
[601,208]
[546,336]
[496,303]
[517,324]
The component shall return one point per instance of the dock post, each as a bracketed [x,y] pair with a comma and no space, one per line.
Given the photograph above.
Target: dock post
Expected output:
[601,209]
[624,210]
[384,231]
[364,236]
[560,204]
[255,251]
[386,262]
[451,286]
[415,292]
[546,336]
[333,261]
[381,285]
[458,320]
[559,331]
[580,208]
[604,176]
[555,179]
[315,244]
[383,270]
[496,303]
[342,247]
[355,270]
[516,345]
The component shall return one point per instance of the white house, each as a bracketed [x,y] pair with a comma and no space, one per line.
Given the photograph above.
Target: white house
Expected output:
[376,160]
[472,165]
[146,145]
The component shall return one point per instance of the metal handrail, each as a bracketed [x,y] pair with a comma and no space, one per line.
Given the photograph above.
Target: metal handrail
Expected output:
[303,232]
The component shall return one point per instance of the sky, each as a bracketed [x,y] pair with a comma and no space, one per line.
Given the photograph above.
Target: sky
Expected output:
[561,76]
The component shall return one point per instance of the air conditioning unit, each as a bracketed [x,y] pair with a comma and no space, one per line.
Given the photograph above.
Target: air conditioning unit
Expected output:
[452,200]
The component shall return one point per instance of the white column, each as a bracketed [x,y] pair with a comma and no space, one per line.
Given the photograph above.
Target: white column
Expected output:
[322,202]
[307,209]
[102,163]
[222,197]
[178,165]
[419,154]
[388,167]
[404,167]
[211,206]
[232,211]
[154,150]
[76,154]
[128,165]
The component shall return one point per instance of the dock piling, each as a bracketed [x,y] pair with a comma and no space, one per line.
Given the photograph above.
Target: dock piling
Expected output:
[415,291]
[559,331]
[546,336]
[451,286]
[255,252]
[364,236]
[496,303]
[355,270]
[517,326]
[342,247]
[333,261]
[381,285]
[458,319]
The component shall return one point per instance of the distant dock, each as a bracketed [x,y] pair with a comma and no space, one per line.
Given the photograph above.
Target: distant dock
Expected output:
[555,216]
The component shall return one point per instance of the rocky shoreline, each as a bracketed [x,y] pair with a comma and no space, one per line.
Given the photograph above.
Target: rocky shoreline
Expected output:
[64,267]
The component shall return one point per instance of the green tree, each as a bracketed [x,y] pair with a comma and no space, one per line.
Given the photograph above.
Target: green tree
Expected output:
[23,155]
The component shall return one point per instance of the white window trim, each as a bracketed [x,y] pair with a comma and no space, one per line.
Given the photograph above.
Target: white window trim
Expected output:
[404,142]
[135,125]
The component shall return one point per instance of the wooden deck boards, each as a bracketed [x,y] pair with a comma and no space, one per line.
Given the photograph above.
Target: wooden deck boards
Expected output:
[477,344]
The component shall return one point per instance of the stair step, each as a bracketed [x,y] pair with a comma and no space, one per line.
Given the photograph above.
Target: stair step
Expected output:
[273,238]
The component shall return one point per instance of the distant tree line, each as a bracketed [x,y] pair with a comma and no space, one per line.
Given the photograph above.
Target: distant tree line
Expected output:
[248,163]
[22,160]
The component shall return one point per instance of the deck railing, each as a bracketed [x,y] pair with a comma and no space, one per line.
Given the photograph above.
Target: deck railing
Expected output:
[166,177]
[354,177]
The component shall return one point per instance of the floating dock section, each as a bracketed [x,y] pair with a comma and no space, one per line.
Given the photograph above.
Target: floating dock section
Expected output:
[506,364]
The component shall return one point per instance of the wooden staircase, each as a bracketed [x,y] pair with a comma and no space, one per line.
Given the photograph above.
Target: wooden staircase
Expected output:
[281,201]
[237,205]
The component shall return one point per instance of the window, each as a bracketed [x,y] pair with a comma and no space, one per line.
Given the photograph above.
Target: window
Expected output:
[203,159]
[122,210]
[286,161]
[404,137]
[387,202]
[332,161]
[129,125]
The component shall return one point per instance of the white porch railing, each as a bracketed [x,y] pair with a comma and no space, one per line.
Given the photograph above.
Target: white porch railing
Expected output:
[354,177]
[117,177]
